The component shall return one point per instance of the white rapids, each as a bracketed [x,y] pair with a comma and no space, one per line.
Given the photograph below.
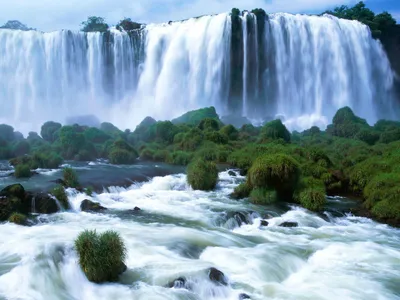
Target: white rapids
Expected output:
[182,233]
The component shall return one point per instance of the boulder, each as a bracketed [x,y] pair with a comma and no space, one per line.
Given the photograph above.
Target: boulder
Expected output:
[44,204]
[289,224]
[231,173]
[136,209]
[14,190]
[217,276]
[12,199]
[264,223]
[91,206]
[244,296]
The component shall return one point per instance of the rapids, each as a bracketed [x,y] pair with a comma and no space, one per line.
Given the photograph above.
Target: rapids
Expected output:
[182,233]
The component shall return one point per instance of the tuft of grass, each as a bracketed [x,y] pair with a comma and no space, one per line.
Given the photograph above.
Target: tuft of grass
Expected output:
[101,256]
[202,175]
[22,171]
[61,196]
[70,178]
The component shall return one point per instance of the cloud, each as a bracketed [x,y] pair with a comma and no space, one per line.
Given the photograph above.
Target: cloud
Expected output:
[53,15]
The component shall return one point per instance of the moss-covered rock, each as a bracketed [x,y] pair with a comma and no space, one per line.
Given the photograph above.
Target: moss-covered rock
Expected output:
[202,175]
[60,194]
[243,190]
[18,219]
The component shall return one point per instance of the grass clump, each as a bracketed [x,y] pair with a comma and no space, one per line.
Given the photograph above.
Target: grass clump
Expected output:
[61,196]
[22,171]
[18,219]
[70,178]
[101,256]
[263,196]
[202,175]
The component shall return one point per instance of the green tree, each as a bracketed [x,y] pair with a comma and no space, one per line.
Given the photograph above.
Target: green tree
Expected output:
[94,24]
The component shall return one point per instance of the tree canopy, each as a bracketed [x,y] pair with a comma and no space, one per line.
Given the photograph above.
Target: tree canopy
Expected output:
[94,24]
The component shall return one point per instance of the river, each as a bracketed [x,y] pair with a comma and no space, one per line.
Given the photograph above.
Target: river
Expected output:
[182,233]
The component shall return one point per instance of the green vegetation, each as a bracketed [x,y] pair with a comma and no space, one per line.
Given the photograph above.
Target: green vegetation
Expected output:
[61,196]
[377,23]
[101,256]
[202,175]
[22,171]
[18,219]
[70,178]
[94,24]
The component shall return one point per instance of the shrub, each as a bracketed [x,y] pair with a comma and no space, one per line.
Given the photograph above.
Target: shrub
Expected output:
[275,130]
[390,136]
[279,172]
[263,196]
[363,172]
[70,178]
[387,209]
[127,24]
[95,135]
[48,131]
[61,196]
[122,157]
[313,198]
[209,124]
[243,190]
[18,219]
[216,137]
[6,132]
[21,148]
[384,186]
[181,158]
[202,175]
[101,257]
[22,171]
[161,156]
[230,131]
[368,136]
[194,117]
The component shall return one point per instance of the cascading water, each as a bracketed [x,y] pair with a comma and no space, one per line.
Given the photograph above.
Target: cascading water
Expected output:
[301,67]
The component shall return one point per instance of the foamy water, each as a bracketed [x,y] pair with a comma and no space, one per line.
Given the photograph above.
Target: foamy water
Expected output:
[182,233]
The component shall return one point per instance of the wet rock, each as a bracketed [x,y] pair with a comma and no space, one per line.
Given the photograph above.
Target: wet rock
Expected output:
[231,173]
[90,206]
[14,190]
[264,223]
[244,296]
[178,283]
[136,209]
[44,203]
[289,224]
[217,276]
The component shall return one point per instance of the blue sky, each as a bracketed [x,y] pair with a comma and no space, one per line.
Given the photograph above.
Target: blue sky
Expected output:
[50,15]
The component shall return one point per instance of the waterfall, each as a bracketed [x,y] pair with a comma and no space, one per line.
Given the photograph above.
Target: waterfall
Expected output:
[300,67]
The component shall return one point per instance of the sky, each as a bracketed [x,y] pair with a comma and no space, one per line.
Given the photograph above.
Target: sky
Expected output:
[49,15]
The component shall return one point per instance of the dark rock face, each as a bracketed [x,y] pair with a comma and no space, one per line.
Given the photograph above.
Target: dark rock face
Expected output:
[14,198]
[91,206]
[264,223]
[217,276]
[44,204]
[289,224]
[244,296]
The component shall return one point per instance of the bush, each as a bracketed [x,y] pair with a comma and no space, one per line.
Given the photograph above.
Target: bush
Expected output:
[387,209]
[161,156]
[263,196]
[275,130]
[61,196]
[70,178]
[95,135]
[202,175]
[243,190]
[6,132]
[21,148]
[122,153]
[216,137]
[194,117]
[127,24]
[101,257]
[278,172]
[209,124]
[181,158]
[384,186]
[367,136]
[22,171]
[18,219]
[48,131]
[46,160]
[230,131]
[313,198]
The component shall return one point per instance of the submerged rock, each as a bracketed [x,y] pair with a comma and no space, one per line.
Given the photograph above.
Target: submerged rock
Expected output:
[136,209]
[244,296]
[289,224]
[217,276]
[90,206]
[264,223]
[178,283]
[231,173]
